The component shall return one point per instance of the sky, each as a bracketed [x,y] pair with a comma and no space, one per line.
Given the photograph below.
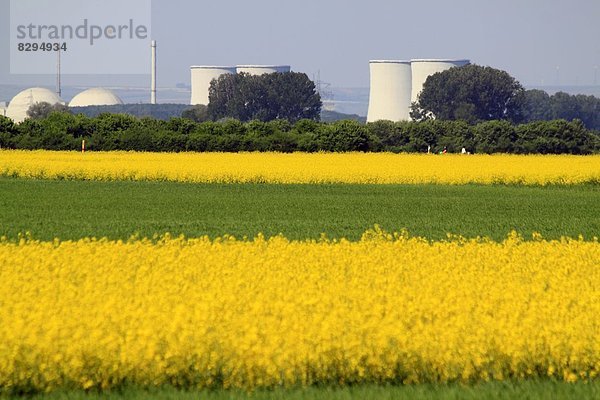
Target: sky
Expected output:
[539,42]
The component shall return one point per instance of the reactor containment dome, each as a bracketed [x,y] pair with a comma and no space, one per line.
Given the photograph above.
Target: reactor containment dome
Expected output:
[423,68]
[391,83]
[262,69]
[202,76]
[20,104]
[95,97]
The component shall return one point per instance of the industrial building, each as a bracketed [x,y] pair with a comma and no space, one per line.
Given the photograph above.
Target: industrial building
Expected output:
[95,97]
[390,90]
[201,78]
[262,69]
[20,104]
[3,108]
[423,68]
[395,85]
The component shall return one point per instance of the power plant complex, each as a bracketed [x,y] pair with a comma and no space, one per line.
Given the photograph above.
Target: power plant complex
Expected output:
[95,97]
[202,75]
[20,104]
[396,84]
[390,90]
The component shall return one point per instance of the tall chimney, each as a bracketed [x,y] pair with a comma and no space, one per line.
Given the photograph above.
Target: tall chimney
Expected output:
[58,82]
[153,87]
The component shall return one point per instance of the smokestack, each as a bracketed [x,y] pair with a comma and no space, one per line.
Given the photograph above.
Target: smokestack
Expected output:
[58,83]
[153,87]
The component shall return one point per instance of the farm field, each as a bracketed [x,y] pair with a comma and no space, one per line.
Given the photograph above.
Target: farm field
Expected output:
[51,209]
[531,390]
[278,168]
[312,276]
[267,313]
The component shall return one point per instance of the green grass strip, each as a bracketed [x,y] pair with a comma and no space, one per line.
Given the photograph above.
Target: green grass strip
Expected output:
[531,390]
[77,209]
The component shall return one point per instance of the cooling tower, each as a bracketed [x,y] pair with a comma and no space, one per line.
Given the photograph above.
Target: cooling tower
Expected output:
[391,84]
[95,97]
[262,69]
[423,68]
[201,78]
[19,105]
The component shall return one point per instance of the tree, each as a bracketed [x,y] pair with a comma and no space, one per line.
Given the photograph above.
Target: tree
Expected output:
[344,136]
[291,96]
[589,107]
[537,106]
[43,110]
[540,106]
[197,113]
[554,137]
[471,93]
[7,130]
[495,137]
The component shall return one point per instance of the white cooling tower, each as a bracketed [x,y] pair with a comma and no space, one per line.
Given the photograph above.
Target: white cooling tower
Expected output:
[423,68]
[201,78]
[262,69]
[19,105]
[391,84]
[95,97]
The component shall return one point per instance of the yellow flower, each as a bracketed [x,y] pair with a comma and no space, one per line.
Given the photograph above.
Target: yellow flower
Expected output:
[381,168]
[274,312]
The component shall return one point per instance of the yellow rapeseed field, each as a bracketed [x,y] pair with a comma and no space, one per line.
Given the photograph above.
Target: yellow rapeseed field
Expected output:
[380,168]
[261,313]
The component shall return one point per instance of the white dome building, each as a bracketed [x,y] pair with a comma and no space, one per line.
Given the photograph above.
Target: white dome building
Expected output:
[95,97]
[20,104]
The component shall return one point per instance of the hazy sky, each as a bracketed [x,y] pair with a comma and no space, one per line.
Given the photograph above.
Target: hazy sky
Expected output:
[537,41]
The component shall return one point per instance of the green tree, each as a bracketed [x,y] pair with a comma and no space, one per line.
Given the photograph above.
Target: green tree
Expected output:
[540,106]
[344,136]
[554,137]
[7,131]
[291,96]
[197,113]
[471,93]
[589,108]
[537,106]
[495,137]
[43,110]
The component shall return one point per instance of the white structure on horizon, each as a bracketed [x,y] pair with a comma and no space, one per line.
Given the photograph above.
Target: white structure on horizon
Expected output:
[423,68]
[95,97]
[201,77]
[395,85]
[262,69]
[3,108]
[391,83]
[20,104]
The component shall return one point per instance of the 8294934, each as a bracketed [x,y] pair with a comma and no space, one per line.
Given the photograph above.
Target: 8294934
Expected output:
[44,46]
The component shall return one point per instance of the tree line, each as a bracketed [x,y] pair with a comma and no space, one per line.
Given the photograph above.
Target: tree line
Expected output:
[475,93]
[107,132]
